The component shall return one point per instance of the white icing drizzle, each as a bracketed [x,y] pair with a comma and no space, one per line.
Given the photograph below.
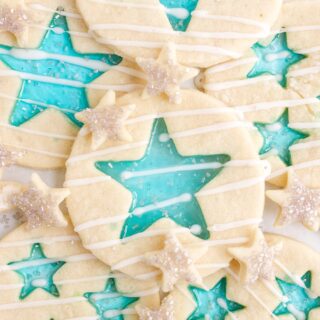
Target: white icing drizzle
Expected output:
[147,276]
[189,34]
[38,133]
[217,51]
[274,291]
[222,303]
[144,293]
[305,125]
[127,262]
[253,294]
[235,224]
[71,83]
[306,145]
[276,104]
[243,184]
[302,165]
[222,242]
[85,181]
[116,313]
[44,240]
[212,266]
[230,65]
[45,153]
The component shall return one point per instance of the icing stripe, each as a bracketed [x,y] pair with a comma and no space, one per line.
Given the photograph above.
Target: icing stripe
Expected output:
[234,225]
[128,262]
[301,165]
[305,125]
[41,7]
[306,145]
[230,65]
[222,242]
[45,153]
[217,51]
[243,184]
[189,34]
[44,240]
[38,133]
[233,163]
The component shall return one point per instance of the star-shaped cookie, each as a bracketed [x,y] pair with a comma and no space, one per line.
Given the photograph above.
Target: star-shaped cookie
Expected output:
[38,204]
[106,121]
[14,17]
[8,157]
[165,312]
[256,259]
[165,74]
[176,263]
[298,203]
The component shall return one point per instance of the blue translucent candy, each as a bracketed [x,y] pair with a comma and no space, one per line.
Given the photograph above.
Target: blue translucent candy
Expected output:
[180,22]
[36,94]
[275,59]
[213,304]
[159,194]
[109,300]
[278,136]
[39,274]
[299,302]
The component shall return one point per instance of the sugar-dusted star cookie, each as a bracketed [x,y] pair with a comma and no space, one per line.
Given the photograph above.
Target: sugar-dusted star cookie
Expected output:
[165,74]
[292,293]
[256,259]
[39,205]
[165,312]
[297,202]
[14,18]
[175,263]
[106,121]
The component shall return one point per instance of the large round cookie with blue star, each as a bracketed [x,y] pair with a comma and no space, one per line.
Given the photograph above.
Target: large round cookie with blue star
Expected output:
[47,274]
[205,31]
[50,68]
[275,87]
[291,290]
[158,168]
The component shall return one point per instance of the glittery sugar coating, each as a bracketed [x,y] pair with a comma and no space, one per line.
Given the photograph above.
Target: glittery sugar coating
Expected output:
[13,19]
[260,264]
[257,259]
[8,157]
[165,312]
[175,264]
[38,205]
[302,205]
[298,203]
[165,75]
[34,206]
[106,121]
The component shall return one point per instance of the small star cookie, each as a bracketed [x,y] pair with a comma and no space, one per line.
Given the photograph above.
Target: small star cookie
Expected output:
[256,260]
[175,263]
[298,203]
[14,17]
[165,74]
[106,121]
[38,204]
[165,312]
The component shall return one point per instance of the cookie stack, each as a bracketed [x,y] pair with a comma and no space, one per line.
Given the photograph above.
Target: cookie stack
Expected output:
[171,118]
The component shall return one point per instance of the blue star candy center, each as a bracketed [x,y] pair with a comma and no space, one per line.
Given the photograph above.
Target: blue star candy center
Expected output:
[179,12]
[37,271]
[278,136]
[54,75]
[109,303]
[275,59]
[164,183]
[213,304]
[299,302]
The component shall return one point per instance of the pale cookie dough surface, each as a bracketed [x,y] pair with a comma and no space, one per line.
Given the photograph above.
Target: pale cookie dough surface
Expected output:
[205,32]
[41,88]
[293,294]
[203,206]
[268,82]
[62,279]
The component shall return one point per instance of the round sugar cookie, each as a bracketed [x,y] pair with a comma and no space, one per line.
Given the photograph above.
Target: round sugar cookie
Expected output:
[293,292]
[276,87]
[189,169]
[47,274]
[50,69]
[205,32]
